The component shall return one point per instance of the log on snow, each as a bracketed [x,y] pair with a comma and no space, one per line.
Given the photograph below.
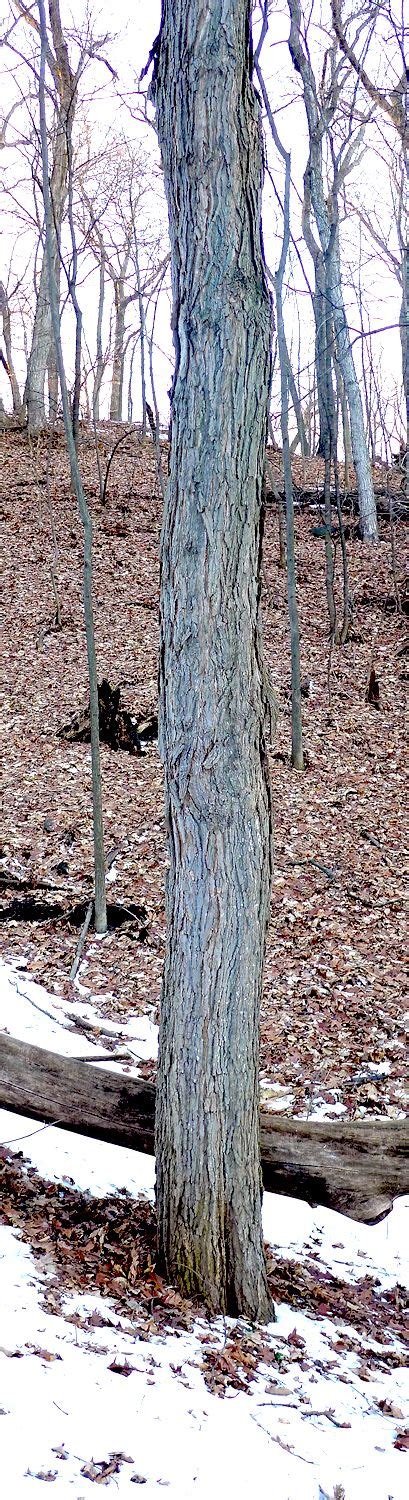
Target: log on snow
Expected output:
[357,1168]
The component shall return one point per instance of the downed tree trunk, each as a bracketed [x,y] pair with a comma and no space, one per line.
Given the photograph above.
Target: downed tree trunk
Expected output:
[357,1168]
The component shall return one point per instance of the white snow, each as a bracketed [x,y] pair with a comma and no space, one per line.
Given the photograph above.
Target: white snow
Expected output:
[60,1415]
[29,1013]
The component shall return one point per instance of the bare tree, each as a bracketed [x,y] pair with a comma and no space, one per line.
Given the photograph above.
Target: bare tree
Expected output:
[5,313]
[392,100]
[297,758]
[326,214]
[212,705]
[65,82]
[99,860]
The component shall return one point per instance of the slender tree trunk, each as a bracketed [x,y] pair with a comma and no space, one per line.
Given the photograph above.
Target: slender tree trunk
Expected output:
[98,834]
[65,83]
[404,338]
[295,398]
[115,410]
[41,344]
[6,320]
[52,382]
[330,427]
[366,497]
[99,367]
[142,324]
[297,757]
[211,680]
[326,222]
[346,430]
[321,362]
[319,306]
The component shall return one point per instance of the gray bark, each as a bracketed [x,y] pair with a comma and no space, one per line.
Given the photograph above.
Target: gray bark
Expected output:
[366,497]
[98,834]
[41,344]
[319,303]
[326,221]
[142,325]
[115,410]
[346,428]
[297,758]
[99,367]
[6,320]
[404,338]
[296,402]
[212,707]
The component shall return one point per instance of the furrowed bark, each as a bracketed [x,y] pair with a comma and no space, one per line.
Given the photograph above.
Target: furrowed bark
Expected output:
[357,1168]
[211,683]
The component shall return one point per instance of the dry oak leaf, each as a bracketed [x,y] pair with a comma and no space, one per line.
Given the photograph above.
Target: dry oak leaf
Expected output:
[120,1369]
[402,1439]
[101,1470]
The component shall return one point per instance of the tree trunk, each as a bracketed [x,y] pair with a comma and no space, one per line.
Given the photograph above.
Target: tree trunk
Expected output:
[356,1168]
[296,403]
[326,218]
[6,319]
[297,758]
[115,410]
[211,684]
[319,305]
[65,85]
[404,338]
[99,364]
[346,429]
[366,497]
[98,833]
[142,325]
[41,344]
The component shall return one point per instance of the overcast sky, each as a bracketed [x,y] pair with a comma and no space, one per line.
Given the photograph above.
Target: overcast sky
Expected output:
[133,25]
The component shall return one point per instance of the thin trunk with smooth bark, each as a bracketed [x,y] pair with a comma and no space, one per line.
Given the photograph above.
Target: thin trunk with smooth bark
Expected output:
[66,85]
[142,324]
[98,834]
[326,220]
[212,707]
[9,365]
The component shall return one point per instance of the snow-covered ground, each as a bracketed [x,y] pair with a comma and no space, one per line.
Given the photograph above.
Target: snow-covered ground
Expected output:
[67,1419]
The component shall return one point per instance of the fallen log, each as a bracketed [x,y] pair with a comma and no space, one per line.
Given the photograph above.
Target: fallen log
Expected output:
[357,1167]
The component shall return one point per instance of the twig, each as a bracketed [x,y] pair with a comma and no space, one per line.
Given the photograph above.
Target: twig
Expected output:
[364,832]
[122,439]
[14,1141]
[278,1440]
[40,1008]
[111,1057]
[81,941]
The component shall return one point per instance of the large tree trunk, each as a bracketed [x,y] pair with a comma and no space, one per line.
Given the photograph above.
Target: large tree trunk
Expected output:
[357,1167]
[211,684]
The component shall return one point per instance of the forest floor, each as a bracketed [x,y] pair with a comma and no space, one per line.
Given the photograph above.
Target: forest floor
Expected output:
[106,1374]
[333,1013]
